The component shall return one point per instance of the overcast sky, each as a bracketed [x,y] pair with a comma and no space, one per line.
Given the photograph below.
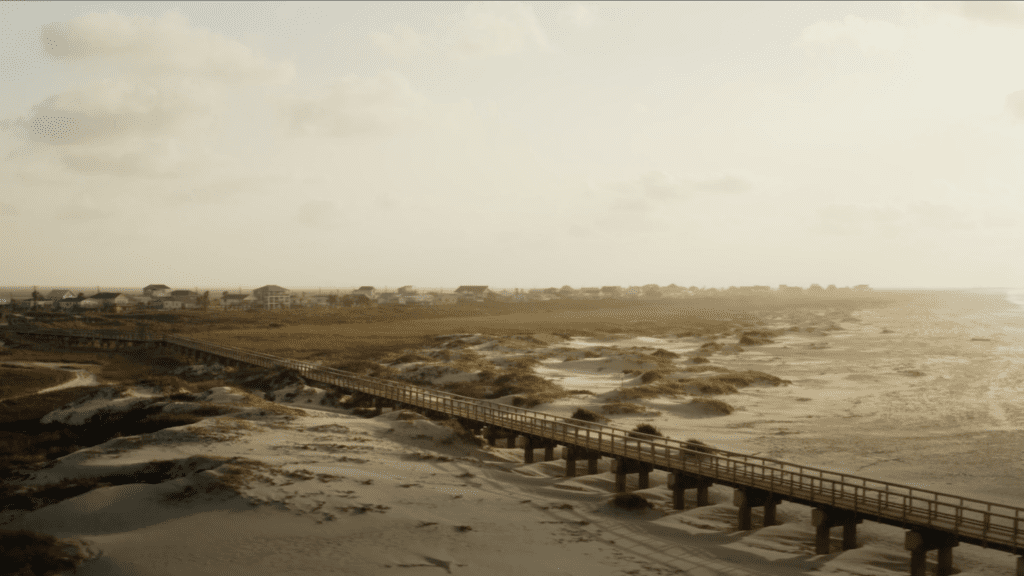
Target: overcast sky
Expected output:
[511,144]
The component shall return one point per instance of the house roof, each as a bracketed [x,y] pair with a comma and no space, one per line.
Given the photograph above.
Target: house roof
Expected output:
[157,287]
[106,295]
[237,297]
[366,288]
[57,294]
[272,288]
[472,289]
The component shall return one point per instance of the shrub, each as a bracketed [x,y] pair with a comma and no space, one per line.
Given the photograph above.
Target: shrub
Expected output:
[756,337]
[617,407]
[713,405]
[587,416]
[631,501]
[652,376]
[643,430]
[713,386]
[699,446]
[663,388]
[34,554]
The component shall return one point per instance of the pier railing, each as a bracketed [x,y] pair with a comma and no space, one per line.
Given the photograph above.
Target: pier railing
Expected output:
[972,520]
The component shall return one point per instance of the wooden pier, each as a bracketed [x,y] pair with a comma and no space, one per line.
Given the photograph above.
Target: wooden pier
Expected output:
[933,520]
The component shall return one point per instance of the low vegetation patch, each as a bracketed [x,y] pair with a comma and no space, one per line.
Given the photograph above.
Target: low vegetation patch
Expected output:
[661,388]
[618,407]
[26,553]
[699,446]
[712,386]
[757,337]
[588,416]
[653,376]
[713,405]
[644,430]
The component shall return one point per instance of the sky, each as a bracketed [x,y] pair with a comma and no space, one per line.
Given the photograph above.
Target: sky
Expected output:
[511,144]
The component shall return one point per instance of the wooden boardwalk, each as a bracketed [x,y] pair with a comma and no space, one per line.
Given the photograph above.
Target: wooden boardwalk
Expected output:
[935,520]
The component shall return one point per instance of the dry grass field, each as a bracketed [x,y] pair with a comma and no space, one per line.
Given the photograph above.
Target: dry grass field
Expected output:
[337,336]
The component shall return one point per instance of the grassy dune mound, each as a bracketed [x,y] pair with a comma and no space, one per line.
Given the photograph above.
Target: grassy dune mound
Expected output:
[34,554]
[619,407]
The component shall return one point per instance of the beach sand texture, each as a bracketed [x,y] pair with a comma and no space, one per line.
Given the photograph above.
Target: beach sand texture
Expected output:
[926,395]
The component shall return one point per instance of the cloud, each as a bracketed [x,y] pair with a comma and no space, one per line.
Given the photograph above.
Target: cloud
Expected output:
[114,109]
[847,219]
[663,186]
[155,157]
[1015,103]
[84,209]
[354,105]
[126,127]
[578,15]
[499,29]
[164,44]
[321,214]
[852,219]
[1010,13]
[403,42]
[866,35]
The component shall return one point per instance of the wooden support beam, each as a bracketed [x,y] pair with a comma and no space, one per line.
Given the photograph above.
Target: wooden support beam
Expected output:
[824,518]
[920,541]
[747,499]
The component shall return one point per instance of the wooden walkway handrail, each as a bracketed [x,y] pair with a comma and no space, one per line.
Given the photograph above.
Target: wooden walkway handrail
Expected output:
[989,522]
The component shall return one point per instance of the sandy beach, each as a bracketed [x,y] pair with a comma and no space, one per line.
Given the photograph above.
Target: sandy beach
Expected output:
[921,395]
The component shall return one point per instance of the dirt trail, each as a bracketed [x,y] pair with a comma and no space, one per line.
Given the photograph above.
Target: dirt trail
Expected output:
[82,377]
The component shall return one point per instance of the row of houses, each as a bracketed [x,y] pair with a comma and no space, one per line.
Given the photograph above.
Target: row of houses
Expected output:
[272,297]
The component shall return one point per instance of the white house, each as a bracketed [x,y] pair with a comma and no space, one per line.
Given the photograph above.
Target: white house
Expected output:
[445,298]
[237,301]
[272,297]
[60,294]
[367,291]
[157,290]
[111,299]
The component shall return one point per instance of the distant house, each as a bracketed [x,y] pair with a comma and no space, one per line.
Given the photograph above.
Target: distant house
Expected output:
[406,290]
[590,293]
[167,304]
[445,299]
[272,297]
[112,300]
[59,295]
[157,291]
[357,300]
[473,293]
[367,291]
[237,301]
[39,303]
[611,291]
[421,299]
[79,303]
[390,298]
[186,297]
